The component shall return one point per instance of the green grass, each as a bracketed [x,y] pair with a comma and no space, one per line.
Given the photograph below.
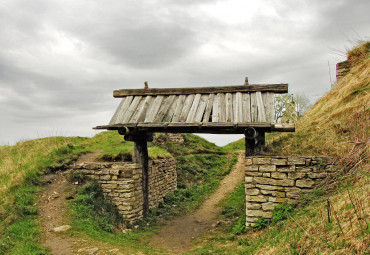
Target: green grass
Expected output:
[233,210]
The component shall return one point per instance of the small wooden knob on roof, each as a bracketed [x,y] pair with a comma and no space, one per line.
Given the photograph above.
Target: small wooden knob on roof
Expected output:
[146,85]
[246,81]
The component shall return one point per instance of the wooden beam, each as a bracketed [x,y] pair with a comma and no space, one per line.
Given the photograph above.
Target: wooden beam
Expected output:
[276,88]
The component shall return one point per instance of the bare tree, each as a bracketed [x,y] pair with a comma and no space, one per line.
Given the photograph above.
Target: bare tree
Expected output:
[302,104]
[281,101]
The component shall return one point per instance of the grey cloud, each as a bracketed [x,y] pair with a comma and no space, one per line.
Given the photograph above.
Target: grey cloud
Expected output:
[127,42]
[138,35]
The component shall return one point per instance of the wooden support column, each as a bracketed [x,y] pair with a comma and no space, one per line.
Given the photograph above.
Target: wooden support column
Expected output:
[254,141]
[141,157]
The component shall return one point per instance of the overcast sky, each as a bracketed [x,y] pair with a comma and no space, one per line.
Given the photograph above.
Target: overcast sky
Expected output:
[60,60]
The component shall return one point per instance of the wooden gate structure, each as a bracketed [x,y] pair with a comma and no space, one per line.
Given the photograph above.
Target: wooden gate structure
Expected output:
[243,109]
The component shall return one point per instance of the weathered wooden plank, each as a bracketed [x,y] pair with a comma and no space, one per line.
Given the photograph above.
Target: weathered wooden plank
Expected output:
[185,110]
[201,108]
[254,112]
[238,106]
[124,108]
[151,114]
[135,115]
[167,102]
[222,108]
[276,88]
[193,108]
[216,108]
[261,116]
[179,106]
[235,108]
[246,105]
[269,103]
[123,105]
[207,112]
[144,108]
[130,110]
[171,110]
[229,117]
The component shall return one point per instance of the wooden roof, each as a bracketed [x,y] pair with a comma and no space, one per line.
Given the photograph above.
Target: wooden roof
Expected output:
[228,109]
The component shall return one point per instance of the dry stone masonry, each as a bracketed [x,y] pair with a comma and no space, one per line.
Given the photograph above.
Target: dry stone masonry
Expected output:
[270,180]
[121,182]
[342,69]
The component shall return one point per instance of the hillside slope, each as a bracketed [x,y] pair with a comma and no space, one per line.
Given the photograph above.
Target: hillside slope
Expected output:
[337,125]
[337,121]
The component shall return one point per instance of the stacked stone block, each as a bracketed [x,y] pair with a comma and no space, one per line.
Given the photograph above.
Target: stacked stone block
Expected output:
[175,138]
[162,180]
[121,183]
[270,180]
[342,69]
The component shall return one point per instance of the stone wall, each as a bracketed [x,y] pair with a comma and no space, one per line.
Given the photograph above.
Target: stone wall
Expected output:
[162,180]
[121,183]
[342,69]
[270,180]
[175,138]
[161,138]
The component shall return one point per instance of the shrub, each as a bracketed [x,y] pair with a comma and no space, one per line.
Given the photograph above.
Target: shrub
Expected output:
[261,223]
[281,211]
[239,226]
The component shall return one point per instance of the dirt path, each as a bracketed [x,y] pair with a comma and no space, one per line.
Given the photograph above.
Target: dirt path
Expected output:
[179,233]
[53,213]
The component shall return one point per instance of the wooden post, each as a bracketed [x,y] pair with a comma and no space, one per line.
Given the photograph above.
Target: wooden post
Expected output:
[141,157]
[249,146]
[254,141]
